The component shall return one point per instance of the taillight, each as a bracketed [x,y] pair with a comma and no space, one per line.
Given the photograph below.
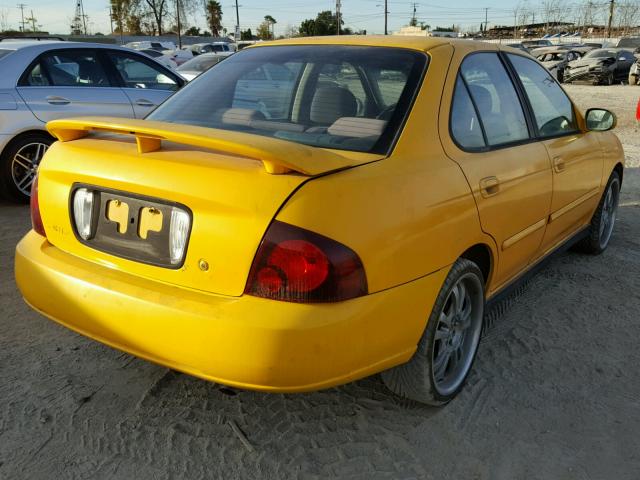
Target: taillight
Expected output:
[36,219]
[297,265]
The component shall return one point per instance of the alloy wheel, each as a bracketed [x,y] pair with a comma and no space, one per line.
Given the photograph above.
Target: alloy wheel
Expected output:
[609,209]
[24,165]
[457,334]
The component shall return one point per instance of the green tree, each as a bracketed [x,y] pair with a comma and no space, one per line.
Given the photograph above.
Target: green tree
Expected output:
[214,17]
[246,34]
[325,23]
[193,31]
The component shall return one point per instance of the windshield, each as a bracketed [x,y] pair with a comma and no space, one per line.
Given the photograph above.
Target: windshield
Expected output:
[343,97]
[200,63]
[601,54]
[5,52]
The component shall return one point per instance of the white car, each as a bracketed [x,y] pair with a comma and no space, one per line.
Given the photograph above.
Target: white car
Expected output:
[45,80]
[161,57]
[194,67]
[148,45]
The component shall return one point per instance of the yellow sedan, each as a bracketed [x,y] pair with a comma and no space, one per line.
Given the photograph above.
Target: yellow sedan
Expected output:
[314,211]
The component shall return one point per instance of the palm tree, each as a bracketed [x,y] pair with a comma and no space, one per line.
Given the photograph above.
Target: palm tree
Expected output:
[271,21]
[214,17]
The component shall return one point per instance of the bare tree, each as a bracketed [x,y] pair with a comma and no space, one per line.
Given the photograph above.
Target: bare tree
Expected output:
[627,15]
[4,19]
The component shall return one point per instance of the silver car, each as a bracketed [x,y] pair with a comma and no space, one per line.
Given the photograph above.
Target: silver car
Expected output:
[45,80]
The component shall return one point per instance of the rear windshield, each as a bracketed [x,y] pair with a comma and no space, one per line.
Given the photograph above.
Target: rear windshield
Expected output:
[5,52]
[343,97]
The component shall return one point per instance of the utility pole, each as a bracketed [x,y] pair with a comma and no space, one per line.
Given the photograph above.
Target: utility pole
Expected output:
[178,22]
[237,32]
[414,20]
[111,19]
[611,7]
[338,16]
[386,13]
[21,7]
[486,18]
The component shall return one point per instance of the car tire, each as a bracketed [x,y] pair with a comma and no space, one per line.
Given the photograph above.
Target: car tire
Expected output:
[439,368]
[611,79]
[19,163]
[600,229]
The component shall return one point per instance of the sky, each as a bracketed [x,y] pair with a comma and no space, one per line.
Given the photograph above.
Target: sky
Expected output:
[55,16]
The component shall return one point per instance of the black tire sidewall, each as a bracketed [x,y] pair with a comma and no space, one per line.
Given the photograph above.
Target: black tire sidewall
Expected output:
[9,189]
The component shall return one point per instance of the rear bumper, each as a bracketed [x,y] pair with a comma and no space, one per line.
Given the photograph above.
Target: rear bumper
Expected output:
[245,341]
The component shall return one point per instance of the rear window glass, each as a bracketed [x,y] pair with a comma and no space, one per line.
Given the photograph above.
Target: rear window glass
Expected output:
[343,97]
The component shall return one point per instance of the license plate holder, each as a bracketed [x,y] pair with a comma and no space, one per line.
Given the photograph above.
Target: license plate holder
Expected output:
[128,241]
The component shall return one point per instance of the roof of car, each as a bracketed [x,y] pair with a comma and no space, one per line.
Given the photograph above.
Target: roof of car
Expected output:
[415,43]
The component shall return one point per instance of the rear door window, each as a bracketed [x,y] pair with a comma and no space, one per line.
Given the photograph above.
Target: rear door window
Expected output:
[496,99]
[551,107]
[70,68]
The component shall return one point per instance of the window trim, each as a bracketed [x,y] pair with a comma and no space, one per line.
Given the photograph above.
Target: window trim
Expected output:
[534,134]
[516,77]
[488,148]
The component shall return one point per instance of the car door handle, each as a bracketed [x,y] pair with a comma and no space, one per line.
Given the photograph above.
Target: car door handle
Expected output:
[54,100]
[558,164]
[489,186]
[145,103]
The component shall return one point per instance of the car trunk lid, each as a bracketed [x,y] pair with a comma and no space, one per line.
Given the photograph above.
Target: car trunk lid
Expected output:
[226,180]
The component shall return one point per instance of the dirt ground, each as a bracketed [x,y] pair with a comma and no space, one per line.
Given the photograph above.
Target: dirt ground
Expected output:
[555,391]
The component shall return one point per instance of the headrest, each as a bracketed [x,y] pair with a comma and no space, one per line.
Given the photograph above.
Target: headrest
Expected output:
[331,103]
[357,127]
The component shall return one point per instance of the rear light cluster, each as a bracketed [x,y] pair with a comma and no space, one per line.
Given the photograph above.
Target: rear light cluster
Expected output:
[297,265]
[34,203]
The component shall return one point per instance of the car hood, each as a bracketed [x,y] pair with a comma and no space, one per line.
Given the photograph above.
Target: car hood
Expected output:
[589,62]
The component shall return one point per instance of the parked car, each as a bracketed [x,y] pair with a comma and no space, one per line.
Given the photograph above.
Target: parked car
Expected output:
[161,57]
[45,80]
[604,65]
[531,44]
[634,73]
[556,59]
[630,43]
[148,45]
[194,67]
[220,48]
[399,185]
[179,56]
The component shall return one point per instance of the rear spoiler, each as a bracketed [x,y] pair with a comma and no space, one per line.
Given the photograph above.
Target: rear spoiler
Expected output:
[277,156]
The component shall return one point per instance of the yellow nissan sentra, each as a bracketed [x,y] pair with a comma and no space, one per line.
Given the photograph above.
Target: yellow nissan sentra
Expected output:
[314,211]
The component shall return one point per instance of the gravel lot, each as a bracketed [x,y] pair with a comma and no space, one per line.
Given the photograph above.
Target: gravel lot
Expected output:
[554,393]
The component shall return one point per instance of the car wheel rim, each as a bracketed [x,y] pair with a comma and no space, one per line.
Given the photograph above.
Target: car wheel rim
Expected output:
[457,334]
[608,215]
[24,165]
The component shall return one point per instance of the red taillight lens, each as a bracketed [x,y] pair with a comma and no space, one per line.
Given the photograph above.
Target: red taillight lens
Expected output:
[36,219]
[297,265]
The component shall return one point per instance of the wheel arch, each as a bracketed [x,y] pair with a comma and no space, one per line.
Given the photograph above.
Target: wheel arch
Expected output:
[620,170]
[17,137]
[482,256]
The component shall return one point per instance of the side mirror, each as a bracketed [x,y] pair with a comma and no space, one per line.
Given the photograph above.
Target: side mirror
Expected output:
[600,120]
